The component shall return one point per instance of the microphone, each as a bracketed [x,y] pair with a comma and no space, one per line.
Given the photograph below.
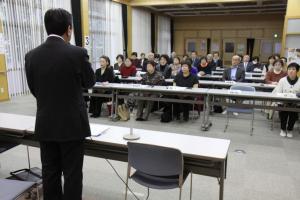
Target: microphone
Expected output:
[131,135]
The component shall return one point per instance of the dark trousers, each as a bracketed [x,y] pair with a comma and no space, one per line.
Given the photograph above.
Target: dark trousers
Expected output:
[182,107]
[62,158]
[287,120]
[96,103]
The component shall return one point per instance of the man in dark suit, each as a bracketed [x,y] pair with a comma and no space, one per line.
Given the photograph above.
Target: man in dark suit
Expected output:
[195,59]
[235,72]
[143,60]
[57,72]
[216,60]
[246,64]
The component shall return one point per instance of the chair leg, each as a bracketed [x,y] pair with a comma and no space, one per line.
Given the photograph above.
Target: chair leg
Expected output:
[227,122]
[180,191]
[28,157]
[273,121]
[252,124]
[191,186]
[127,177]
[37,192]
[148,193]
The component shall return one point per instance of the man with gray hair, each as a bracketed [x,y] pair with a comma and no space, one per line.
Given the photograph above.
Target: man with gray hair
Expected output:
[150,58]
[235,72]
[246,63]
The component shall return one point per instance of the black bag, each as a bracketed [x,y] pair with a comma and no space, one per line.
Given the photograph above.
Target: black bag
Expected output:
[166,117]
[218,109]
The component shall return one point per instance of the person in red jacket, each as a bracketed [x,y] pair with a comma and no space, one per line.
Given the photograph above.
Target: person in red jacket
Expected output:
[129,69]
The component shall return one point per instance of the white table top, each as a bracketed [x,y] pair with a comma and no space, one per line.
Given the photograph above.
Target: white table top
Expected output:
[208,76]
[131,78]
[16,123]
[223,83]
[148,88]
[193,146]
[253,95]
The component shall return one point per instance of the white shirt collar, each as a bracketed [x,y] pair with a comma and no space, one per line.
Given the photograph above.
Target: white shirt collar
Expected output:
[54,35]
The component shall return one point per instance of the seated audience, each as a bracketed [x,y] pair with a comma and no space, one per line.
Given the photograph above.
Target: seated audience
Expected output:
[273,77]
[150,58]
[163,66]
[195,59]
[256,65]
[184,79]
[288,84]
[184,57]
[143,60]
[217,60]
[235,72]
[119,63]
[193,70]
[135,61]
[284,60]
[173,55]
[276,56]
[152,77]
[246,64]
[128,69]
[210,62]
[157,58]
[104,74]
[204,68]
[176,66]
[269,65]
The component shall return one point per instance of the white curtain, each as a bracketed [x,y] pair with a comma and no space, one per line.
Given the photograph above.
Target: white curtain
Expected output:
[23,30]
[164,35]
[141,30]
[106,30]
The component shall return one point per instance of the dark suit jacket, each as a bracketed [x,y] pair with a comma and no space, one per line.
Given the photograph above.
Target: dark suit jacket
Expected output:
[108,75]
[56,74]
[248,67]
[196,62]
[239,76]
[218,63]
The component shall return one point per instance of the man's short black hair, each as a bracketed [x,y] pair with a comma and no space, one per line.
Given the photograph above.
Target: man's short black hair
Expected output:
[120,56]
[293,64]
[165,56]
[255,58]
[57,21]
[134,54]
[285,59]
[187,62]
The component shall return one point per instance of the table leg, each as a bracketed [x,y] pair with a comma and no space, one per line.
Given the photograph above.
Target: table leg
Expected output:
[115,116]
[221,193]
[206,123]
[112,104]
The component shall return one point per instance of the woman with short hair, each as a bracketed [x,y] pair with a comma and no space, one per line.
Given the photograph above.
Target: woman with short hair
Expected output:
[288,84]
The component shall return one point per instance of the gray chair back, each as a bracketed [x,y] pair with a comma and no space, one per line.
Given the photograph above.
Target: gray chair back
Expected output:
[155,160]
[11,189]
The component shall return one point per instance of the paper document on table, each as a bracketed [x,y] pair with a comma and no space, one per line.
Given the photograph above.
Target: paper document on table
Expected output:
[176,88]
[97,130]
[235,91]
[291,95]
[231,82]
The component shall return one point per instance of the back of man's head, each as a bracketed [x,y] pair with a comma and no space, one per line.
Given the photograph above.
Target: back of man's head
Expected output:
[57,21]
